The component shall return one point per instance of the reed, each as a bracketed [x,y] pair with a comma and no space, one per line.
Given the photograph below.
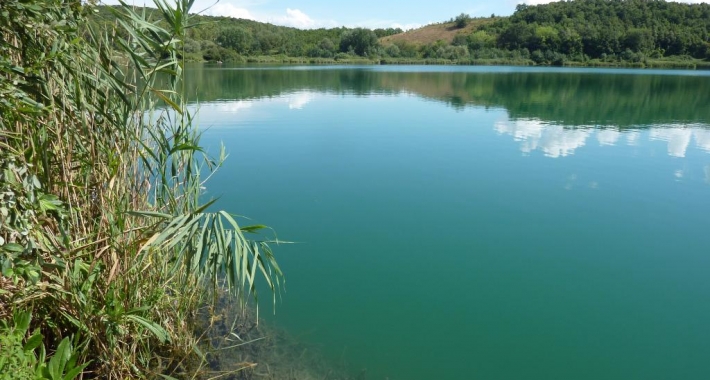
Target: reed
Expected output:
[107,254]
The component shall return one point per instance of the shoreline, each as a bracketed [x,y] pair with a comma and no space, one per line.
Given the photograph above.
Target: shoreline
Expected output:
[695,64]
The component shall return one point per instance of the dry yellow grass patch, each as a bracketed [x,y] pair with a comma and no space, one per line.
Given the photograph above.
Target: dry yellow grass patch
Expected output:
[435,32]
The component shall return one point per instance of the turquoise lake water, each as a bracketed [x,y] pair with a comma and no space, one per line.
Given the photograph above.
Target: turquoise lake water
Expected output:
[477,222]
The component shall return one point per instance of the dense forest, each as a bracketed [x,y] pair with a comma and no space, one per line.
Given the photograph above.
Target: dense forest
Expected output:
[601,29]
[229,39]
[580,31]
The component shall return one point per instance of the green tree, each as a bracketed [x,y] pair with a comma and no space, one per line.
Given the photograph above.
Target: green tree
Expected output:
[327,45]
[236,38]
[481,39]
[639,39]
[392,50]
[462,20]
[359,40]
[546,38]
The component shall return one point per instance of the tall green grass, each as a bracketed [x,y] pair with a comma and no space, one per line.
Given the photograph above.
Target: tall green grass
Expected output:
[105,249]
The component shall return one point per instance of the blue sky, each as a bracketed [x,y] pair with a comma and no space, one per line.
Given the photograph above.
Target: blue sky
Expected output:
[365,13]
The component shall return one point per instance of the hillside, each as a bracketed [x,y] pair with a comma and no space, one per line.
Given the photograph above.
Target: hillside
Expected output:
[631,30]
[639,33]
[432,33]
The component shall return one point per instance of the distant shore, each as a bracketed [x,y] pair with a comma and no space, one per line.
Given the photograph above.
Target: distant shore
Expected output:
[669,62]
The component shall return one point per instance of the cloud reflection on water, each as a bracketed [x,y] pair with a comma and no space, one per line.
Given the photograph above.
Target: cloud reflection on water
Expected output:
[295,101]
[554,140]
[559,141]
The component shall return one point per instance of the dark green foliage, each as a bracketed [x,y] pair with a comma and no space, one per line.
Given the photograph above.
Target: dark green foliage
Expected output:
[601,28]
[407,50]
[359,41]
[462,20]
[380,32]
[238,39]
[24,356]
[325,49]
[610,31]
[480,39]
[244,37]
[459,40]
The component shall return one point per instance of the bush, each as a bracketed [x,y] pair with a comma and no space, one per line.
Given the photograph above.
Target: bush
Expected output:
[392,51]
[359,41]
[462,20]
[460,40]
[20,359]
[538,57]
[343,56]
[554,58]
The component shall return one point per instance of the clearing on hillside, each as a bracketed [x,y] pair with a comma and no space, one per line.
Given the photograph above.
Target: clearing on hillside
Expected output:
[434,32]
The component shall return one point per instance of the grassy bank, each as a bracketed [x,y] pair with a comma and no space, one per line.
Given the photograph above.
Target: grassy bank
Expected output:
[105,249]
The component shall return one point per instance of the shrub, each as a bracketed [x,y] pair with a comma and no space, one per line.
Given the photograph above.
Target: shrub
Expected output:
[462,20]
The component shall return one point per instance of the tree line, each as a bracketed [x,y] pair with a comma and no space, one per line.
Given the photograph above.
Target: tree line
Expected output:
[555,33]
[631,30]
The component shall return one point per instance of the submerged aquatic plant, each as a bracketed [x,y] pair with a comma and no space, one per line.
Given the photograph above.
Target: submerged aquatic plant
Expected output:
[102,234]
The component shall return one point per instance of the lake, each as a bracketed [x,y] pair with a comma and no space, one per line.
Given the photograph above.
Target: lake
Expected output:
[477,222]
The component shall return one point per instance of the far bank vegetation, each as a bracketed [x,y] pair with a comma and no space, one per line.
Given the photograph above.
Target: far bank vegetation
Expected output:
[590,32]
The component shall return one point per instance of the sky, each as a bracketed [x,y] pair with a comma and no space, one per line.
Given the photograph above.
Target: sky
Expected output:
[307,14]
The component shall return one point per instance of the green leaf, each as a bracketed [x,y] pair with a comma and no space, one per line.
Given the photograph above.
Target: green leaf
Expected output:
[13,247]
[33,342]
[59,361]
[74,372]
[150,214]
[254,228]
[167,100]
[154,328]
[22,322]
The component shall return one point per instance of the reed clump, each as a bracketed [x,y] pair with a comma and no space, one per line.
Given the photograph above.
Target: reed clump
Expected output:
[106,251]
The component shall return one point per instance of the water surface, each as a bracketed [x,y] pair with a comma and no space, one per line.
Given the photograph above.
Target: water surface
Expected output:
[478,222]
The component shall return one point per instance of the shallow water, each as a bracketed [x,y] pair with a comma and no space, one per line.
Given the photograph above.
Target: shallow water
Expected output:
[477,222]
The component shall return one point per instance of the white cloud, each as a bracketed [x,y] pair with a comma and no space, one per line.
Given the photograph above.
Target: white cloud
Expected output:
[406,27]
[608,136]
[678,138]
[632,138]
[554,140]
[298,100]
[295,18]
[561,142]
[558,141]
[235,106]
[535,2]
[247,9]
[292,17]
[380,23]
[229,10]
[702,138]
